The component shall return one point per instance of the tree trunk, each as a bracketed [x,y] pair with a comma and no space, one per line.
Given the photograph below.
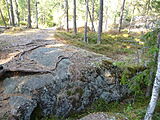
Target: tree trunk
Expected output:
[29,14]
[36,5]
[121,16]
[91,19]
[149,87]
[12,13]
[74,17]
[9,16]
[100,22]
[93,5]
[155,91]
[67,15]
[17,13]
[86,24]
[3,18]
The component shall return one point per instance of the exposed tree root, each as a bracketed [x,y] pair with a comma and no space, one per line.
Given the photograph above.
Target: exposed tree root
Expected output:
[4,71]
[33,48]
[9,73]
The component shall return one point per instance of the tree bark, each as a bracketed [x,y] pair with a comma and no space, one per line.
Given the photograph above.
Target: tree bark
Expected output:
[9,16]
[36,5]
[155,91]
[17,13]
[74,18]
[3,18]
[149,87]
[91,18]
[12,13]
[29,14]
[86,24]
[121,16]
[67,15]
[93,7]
[100,22]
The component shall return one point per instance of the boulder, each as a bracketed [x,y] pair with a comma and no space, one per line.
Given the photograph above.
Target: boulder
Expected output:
[74,78]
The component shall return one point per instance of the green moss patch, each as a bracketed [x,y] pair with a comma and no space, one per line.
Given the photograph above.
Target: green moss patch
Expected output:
[112,44]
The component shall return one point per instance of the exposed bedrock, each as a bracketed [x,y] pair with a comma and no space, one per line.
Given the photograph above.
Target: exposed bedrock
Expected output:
[75,79]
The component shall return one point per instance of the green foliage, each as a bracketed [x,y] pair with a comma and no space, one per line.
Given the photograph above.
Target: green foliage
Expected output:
[99,105]
[24,23]
[113,44]
[137,83]
[135,76]
[142,79]
[156,4]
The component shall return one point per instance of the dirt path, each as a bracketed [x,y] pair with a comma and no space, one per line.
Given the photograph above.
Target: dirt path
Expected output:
[12,44]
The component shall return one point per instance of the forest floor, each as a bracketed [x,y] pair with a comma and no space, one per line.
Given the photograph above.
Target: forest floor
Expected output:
[122,47]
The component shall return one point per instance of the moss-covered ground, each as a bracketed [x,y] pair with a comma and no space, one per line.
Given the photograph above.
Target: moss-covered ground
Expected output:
[119,46]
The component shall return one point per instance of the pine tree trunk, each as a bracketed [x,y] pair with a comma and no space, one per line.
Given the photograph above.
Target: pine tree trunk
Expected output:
[67,15]
[3,18]
[86,24]
[29,14]
[36,5]
[74,17]
[91,19]
[100,22]
[155,91]
[12,13]
[17,13]
[93,6]
[121,16]
[9,16]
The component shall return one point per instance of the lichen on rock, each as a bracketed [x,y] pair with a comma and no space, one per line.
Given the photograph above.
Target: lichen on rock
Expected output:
[76,78]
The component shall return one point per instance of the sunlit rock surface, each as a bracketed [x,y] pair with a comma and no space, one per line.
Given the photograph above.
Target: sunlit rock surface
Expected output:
[75,79]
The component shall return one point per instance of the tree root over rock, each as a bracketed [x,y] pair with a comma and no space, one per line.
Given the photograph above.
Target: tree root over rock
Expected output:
[3,71]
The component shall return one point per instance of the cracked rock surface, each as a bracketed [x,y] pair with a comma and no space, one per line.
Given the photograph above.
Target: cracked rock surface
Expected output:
[49,77]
